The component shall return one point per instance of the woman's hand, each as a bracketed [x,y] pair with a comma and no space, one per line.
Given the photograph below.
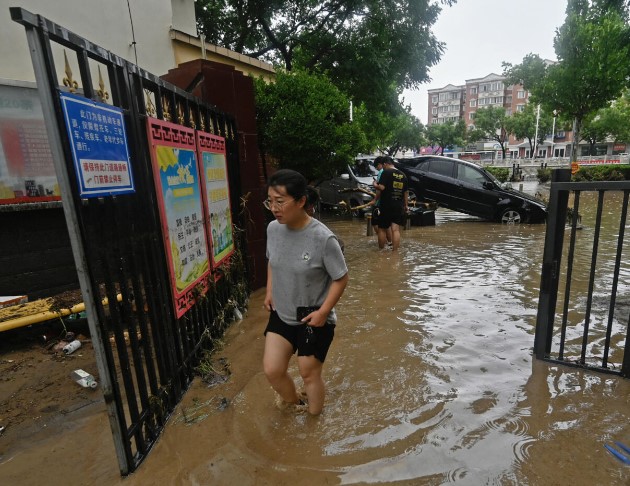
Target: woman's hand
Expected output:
[316,318]
[268,304]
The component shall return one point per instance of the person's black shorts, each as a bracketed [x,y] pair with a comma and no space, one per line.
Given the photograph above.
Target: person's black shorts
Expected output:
[305,339]
[389,215]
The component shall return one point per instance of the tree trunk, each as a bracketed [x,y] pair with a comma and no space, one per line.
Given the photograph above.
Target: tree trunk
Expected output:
[577,125]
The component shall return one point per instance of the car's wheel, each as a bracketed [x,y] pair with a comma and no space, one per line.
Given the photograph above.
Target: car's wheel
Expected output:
[511,216]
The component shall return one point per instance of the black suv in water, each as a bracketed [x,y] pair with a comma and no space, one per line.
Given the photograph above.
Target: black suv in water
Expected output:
[465,187]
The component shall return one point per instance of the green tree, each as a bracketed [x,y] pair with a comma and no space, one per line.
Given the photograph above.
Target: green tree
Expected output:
[522,125]
[370,49]
[592,46]
[446,135]
[595,129]
[528,73]
[389,133]
[304,124]
[616,118]
[491,124]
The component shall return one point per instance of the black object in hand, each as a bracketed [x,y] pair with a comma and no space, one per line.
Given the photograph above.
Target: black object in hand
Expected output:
[302,312]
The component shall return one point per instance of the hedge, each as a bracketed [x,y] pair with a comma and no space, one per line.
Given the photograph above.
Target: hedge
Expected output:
[501,173]
[602,173]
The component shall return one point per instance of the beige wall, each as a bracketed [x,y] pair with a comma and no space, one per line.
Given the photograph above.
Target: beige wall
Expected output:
[188,48]
[104,22]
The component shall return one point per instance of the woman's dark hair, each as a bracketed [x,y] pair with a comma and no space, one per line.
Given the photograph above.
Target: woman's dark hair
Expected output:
[312,196]
[295,185]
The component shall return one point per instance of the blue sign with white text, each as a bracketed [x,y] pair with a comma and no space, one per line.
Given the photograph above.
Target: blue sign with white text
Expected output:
[99,146]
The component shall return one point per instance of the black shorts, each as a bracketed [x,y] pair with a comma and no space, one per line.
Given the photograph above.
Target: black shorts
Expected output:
[389,215]
[305,339]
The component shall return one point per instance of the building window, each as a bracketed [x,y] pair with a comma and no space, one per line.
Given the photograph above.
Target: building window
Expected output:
[473,90]
[473,103]
[471,116]
[434,99]
[508,99]
[520,94]
[471,127]
[520,108]
[434,111]
[508,111]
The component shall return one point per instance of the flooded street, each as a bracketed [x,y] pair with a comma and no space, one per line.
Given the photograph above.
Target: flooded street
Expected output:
[430,378]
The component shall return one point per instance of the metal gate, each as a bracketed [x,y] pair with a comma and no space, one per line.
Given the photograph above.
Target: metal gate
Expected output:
[587,328]
[145,355]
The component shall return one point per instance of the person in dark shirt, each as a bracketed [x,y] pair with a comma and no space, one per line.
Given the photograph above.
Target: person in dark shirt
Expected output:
[392,196]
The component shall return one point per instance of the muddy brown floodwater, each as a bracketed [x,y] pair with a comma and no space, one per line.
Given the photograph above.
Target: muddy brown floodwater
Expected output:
[430,380]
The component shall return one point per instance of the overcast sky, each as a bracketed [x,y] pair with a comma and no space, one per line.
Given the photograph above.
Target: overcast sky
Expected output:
[481,34]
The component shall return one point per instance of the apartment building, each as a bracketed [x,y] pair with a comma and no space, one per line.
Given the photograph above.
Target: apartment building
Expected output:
[446,104]
[455,102]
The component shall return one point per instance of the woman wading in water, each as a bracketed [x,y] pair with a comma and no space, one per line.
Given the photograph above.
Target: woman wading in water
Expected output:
[306,276]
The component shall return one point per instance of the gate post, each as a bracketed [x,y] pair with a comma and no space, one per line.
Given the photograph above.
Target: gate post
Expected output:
[625,366]
[554,239]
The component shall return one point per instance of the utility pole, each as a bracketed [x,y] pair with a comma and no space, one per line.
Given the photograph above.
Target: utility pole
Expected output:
[536,136]
[553,132]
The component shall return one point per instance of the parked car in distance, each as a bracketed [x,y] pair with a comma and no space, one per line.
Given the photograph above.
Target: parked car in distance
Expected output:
[467,188]
[358,175]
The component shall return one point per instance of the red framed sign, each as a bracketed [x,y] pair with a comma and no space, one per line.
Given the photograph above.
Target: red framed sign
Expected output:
[216,194]
[176,175]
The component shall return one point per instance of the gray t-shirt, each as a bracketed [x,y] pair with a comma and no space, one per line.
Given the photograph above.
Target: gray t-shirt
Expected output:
[303,263]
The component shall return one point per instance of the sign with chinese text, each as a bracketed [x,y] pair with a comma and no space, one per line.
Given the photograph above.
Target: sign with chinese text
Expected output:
[27,172]
[575,167]
[99,146]
[175,171]
[216,195]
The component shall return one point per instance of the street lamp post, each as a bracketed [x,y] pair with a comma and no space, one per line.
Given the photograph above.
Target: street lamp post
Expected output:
[553,131]
[536,136]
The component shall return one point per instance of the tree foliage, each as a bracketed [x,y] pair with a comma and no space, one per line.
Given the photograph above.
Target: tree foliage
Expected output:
[370,49]
[592,46]
[491,123]
[595,129]
[389,133]
[304,124]
[617,118]
[522,125]
[528,73]
[610,122]
[446,135]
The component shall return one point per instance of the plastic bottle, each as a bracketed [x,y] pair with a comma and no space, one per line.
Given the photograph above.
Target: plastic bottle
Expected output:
[84,379]
[71,347]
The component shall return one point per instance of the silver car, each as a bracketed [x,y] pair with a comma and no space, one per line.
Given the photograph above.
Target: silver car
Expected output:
[349,187]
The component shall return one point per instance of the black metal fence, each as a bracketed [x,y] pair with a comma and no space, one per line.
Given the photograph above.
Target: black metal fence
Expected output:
[145,355]
[584,308]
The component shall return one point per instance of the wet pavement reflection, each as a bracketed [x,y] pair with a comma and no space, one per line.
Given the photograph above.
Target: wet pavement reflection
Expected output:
[430,378]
